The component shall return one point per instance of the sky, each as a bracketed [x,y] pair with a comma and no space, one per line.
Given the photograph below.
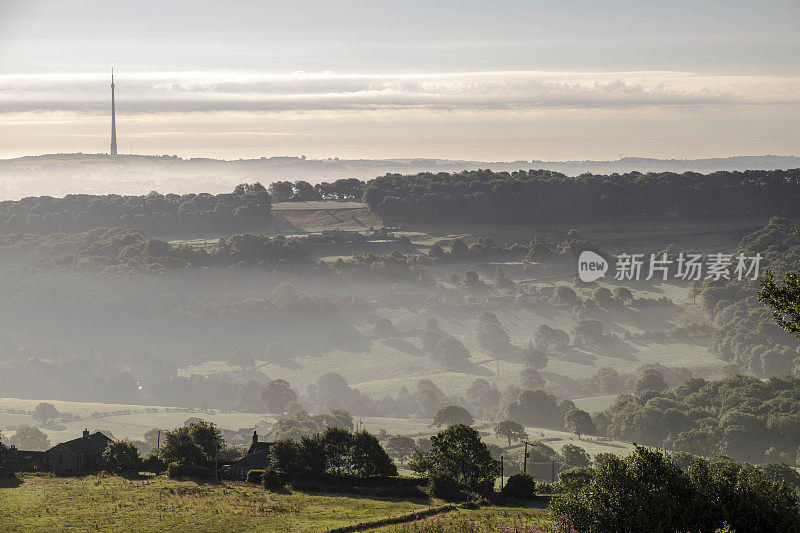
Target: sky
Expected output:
[496,80]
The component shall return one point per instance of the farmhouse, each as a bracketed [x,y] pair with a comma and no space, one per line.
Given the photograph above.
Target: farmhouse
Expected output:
[83,455]
[22,461]
[257,458]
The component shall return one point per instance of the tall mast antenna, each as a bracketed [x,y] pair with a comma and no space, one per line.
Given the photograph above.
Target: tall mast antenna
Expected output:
[113,118]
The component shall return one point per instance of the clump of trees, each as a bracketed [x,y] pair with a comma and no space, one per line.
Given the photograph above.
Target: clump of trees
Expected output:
[652,493]
[335,451]
[710,417]
[302,424]
[744,332]
[457,459]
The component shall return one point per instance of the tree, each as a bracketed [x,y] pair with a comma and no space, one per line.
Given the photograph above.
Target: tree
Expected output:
[579,422]
[208,437]
[337,443]
[574,456]
[180,447]
[296,425]
[338,418]
[383,328]
[277,395]
[284,458]
[30,439]
[535,408]
[153,437]
[564,295]
[588,331]
[491,335]
[281,191]
[533,358]
[452,414]
[472,279]
[242,358]
[530,378]
[312,456]
[400,447]
[651,380]
[785,301]
[548,338]
[44,412]
[304,192]
[451,352]
[122,458]
[511,431]
[459,452]
[368,458]
[484,395]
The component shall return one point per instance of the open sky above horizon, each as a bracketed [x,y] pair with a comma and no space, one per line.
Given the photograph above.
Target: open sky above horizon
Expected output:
[499,80]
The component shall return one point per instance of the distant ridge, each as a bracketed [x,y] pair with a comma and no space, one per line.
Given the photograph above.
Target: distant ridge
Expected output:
[61,174]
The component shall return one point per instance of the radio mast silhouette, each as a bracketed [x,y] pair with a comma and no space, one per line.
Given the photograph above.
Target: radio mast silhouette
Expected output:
[113,119]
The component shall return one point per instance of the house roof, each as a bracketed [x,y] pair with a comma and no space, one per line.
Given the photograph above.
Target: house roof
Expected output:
[257,457]
[258,447]
[86,444]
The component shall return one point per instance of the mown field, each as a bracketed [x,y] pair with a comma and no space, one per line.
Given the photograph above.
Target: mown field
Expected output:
[106,503]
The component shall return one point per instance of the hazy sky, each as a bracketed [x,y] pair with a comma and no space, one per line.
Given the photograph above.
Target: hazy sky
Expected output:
[495,80]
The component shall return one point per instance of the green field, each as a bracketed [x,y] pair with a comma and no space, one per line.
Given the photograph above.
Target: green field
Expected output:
[131,425]
[105,503]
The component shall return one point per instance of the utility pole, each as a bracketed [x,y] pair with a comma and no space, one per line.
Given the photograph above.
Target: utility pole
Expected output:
[502,480]
[525,459]
[553,471]
[158,442]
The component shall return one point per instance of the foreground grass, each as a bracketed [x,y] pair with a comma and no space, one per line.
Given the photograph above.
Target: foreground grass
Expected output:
[486,519]
[108,503]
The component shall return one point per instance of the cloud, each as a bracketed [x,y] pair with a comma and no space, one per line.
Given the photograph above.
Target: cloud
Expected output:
[166,92]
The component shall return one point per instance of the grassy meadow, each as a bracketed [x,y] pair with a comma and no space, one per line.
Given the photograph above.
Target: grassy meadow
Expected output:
[44,503]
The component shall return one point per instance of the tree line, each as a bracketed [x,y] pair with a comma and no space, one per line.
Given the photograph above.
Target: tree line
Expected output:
[546,196]
[247,208]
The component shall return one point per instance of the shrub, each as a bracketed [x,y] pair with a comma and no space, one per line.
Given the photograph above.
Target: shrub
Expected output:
[520,486]
[575,478]
[255,476]
[182,471]
[153,463]
[272,481]
[122,458]
[445,486]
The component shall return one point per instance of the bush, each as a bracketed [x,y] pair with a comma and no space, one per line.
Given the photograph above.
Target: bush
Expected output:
[520,486]
[255,476]
[181,471]
[445,487]
[575,478]
[153,463]
[272,481]
[122,458]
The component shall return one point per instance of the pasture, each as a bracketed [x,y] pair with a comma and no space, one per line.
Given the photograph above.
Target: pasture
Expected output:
[43,503]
